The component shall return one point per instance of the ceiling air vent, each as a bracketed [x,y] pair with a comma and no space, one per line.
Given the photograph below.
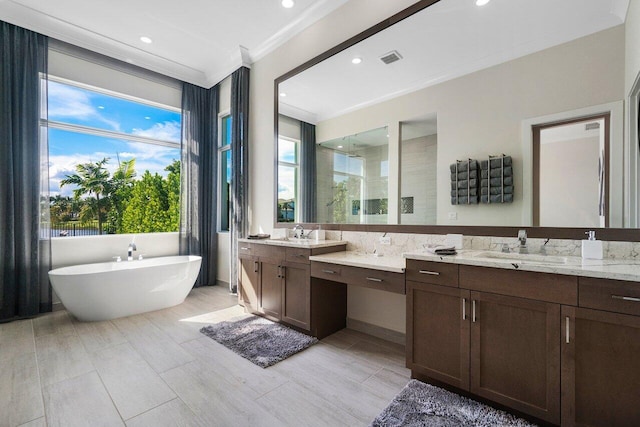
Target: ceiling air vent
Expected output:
[390,57]
[592,126]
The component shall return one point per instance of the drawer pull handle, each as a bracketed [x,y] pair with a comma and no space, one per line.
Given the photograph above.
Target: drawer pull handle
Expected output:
[301,255]
[433,273]
[245,249]
[567,329]
[329,271]
[373,279]
[464,309]
[255,266]
[632,299]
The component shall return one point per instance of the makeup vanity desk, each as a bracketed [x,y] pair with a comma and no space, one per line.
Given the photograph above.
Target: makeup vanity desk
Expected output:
[304,283]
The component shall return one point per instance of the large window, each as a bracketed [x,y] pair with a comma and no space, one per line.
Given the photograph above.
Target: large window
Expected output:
[288,172]
[114,162]
[224,168]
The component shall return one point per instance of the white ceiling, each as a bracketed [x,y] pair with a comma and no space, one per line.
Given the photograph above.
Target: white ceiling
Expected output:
[448,39]
[198,41]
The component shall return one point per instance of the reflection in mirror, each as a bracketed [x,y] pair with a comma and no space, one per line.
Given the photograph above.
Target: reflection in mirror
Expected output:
[487,73]
[288,169]
[572,181]
[353,177]
[418,171]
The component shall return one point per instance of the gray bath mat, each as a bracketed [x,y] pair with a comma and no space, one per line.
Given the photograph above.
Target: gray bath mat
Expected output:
[420,404]
[259,340]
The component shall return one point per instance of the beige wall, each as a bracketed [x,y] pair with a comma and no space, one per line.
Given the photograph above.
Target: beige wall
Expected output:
[481,113]
[632,45]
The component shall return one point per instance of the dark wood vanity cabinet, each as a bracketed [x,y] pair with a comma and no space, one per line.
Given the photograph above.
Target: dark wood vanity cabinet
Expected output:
[275,282]
[515,353]
[601,355]
[249,277]
[505,348]
[438,333]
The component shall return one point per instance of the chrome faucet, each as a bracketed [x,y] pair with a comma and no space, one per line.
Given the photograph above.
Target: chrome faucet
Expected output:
[298,231]
[522,236]
[132,247]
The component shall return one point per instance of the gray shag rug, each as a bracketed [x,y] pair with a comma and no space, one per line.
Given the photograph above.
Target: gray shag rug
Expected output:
[420,404]
[259,340]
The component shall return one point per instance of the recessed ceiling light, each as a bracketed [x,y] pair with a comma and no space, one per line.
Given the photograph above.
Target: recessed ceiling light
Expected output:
[482,2]
[282,94]
[145,39]
[288,3]
[356,60]
[340,146]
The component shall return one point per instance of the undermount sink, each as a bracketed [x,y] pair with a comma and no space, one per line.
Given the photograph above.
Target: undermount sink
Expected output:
[516,257]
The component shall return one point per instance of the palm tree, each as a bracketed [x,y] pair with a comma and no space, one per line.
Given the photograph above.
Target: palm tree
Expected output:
[120,187]
[91,178]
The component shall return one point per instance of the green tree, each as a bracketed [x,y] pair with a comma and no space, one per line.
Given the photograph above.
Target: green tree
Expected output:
[147,210]
[173,194]
[120,188]
[91,178]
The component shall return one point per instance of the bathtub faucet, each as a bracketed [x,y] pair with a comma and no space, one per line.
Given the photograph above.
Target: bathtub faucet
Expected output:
[132,247]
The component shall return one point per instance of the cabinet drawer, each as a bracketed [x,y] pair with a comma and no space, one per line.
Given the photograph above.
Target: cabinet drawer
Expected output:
[610,295]
[437,273]
[246,250]
[375,279]
[548,287]
[300,255]
[269,251]
[327,271]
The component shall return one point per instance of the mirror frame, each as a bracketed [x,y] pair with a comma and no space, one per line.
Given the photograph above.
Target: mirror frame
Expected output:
[608,234]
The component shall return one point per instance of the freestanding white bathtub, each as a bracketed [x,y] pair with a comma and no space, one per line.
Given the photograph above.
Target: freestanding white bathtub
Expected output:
[103,291]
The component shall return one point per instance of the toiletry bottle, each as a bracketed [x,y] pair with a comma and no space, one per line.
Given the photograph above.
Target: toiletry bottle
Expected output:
[591,248]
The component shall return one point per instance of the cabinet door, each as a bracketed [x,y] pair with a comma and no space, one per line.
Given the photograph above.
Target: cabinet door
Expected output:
[600,368]
[296,295]
[515,353]
[270,289]
[438,332]
[249,283]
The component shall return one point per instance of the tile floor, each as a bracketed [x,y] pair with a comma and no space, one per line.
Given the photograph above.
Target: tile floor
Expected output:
[156,369]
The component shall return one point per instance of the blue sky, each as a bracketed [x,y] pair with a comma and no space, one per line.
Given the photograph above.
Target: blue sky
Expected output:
[70,104]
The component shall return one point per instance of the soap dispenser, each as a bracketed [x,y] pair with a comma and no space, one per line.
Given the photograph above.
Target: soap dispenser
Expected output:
[591,248]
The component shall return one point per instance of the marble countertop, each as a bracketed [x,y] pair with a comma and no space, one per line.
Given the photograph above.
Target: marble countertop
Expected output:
[394,264]
[618,269]
[294,243]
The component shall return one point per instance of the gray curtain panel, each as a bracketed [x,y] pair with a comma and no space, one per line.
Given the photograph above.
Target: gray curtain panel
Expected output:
[199,175]
[308,196]
[24,200]
[240,165]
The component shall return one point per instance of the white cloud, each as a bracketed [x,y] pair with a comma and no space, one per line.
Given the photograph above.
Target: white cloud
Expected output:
[69,102]
[166,131]
[149,157]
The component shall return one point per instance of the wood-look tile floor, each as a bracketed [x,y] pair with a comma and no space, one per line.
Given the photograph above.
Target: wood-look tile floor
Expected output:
[156,369]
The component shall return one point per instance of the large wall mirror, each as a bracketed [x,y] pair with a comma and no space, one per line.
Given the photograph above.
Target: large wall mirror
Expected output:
[369,133]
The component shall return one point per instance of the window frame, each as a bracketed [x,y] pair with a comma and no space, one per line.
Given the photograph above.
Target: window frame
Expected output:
[222,151]
[296,183]
[46,123]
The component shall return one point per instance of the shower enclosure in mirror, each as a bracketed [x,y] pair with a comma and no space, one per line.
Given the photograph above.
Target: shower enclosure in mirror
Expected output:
[476,78]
